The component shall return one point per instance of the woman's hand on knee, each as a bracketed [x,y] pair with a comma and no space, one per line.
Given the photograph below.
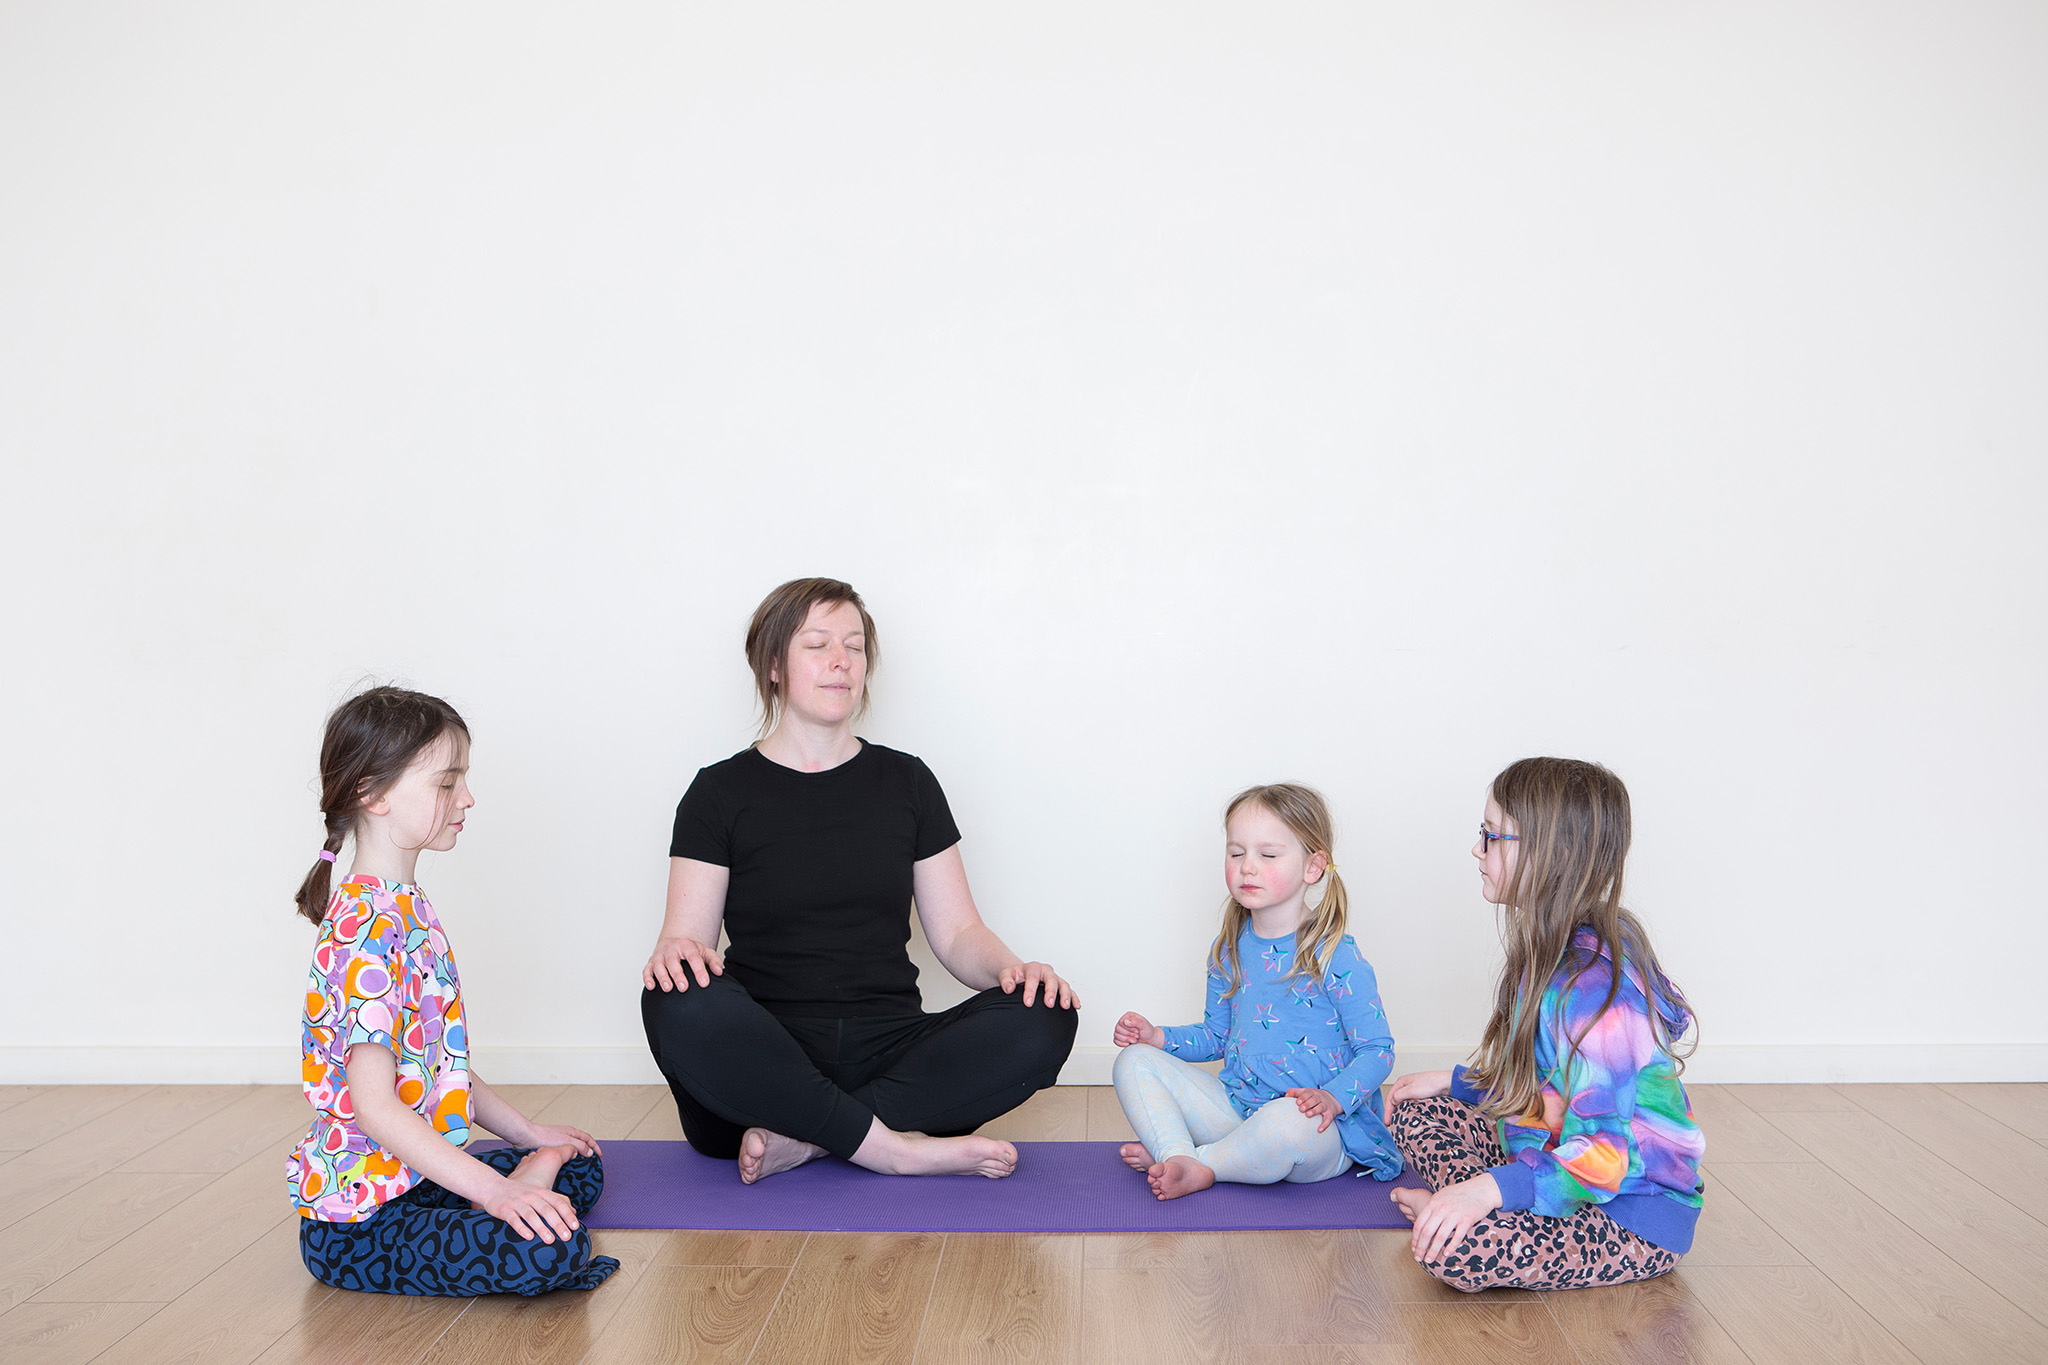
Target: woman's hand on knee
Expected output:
[1420,1085]
[665,968]
[1448,1217]
[1136,1028]
[1033,976]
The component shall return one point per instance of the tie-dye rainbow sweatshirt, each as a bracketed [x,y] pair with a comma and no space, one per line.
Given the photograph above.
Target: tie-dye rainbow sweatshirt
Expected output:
[1618,1131]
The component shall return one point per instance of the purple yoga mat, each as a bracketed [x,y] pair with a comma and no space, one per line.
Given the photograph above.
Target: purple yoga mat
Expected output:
[1058,1187]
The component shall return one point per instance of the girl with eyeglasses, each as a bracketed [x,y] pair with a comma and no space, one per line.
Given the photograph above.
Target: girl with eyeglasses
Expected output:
[1566,1154]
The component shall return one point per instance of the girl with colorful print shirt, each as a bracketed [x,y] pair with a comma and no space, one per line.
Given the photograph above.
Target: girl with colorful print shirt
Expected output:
[1566,1154]
[1294,1013]
[388,1199]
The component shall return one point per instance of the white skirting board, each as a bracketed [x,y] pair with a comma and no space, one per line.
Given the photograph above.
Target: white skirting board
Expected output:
[1728,1064]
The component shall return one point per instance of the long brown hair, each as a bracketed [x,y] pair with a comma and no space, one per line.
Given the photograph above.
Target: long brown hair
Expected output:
[371,739]
[1572,820]
[1307,817]
[780,616]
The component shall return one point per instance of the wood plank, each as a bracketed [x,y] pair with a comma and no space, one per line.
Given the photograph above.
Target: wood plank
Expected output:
[700,1247]
[1730,1232]
[161,1259]
[1938,1310]
[233,1315]
[1152,1251]
[1649,1322]
[1106,1121]
[1793,1099]
[68,1160]
[1981,1232]
[1059,1114]
[999,1297]
[2020,1107]
[1403,1280]
[366,1329]
[1314,1288]
[1178,1313]
[67,1333]
[853,1296]
[548,1329]
[691,1313]
[2008,1163]
[661,1124]
[1791,1315]
[263,1118]
[603,1111]
[529,1099]
[56,1110]
[1735,1132]
[11,1095]
[45,1246]
[1482,1331]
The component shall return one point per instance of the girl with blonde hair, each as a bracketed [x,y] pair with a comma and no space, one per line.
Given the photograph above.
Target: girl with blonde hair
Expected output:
[1293,1011]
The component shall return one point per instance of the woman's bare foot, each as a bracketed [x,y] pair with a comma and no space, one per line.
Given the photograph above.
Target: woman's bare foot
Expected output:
[1136,1157]
[538,1168]
[894,1153]
[1179,1175]
[763,1154]
[1412,1202]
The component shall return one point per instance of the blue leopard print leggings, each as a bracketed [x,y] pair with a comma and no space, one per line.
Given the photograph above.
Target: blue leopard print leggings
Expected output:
[430,1241]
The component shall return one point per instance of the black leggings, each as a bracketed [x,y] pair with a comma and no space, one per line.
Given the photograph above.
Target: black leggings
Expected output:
[733,1066]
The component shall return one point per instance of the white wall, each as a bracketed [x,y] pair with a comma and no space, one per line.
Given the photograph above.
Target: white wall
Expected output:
[1200,394]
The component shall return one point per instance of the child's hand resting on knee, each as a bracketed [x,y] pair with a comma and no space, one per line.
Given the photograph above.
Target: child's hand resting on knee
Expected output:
[1320,1102]
[1448,1217]
[1420,1085]
[1136,1028]
[532,1212]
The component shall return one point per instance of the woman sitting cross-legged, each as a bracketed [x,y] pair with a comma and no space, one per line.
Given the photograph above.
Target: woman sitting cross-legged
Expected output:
[807,1037]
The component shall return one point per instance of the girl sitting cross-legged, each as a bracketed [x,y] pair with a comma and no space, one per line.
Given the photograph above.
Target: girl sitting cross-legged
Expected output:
[1294,1013]
[1566,1155]
[388,1199]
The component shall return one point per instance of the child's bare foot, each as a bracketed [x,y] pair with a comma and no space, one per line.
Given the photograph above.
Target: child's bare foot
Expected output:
[1179,1175]
[763,1154]
[538,1168]
[1136,1157]
[1412,1202]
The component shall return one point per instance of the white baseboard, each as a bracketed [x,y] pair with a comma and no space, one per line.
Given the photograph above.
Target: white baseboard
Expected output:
[1728,1064]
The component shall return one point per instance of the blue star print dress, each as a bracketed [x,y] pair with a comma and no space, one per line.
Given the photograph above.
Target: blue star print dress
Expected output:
[1281,1032]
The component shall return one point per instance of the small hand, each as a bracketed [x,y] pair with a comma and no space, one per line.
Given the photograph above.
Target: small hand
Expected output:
[1420,1085]
[562,1135]
[1318,1102]
[1136,1028]
[1031,976]
[532,1212]
[665,966]
[1448,1217]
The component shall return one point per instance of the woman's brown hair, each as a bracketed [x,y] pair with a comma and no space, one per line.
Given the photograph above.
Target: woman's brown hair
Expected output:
[1572,823]
[371,739]
[1307,817]
[780,616]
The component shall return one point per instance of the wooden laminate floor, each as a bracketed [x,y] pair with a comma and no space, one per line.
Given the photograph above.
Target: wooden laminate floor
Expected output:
[1846,1223]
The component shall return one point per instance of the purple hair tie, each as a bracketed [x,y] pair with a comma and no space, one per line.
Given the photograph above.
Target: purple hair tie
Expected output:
[325,856]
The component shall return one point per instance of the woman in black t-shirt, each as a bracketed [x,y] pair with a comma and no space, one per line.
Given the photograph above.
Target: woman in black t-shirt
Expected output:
[807,1037]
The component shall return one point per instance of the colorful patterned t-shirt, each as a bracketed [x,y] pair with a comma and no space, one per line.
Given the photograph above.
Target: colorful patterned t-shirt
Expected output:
[382,973]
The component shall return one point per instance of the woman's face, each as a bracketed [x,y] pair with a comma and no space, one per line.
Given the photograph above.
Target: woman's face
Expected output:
[825,673]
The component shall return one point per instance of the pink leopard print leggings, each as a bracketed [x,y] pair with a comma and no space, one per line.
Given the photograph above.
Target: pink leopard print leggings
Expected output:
[1445,1141]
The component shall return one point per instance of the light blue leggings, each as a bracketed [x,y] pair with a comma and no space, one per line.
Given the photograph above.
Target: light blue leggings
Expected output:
[1179,1109]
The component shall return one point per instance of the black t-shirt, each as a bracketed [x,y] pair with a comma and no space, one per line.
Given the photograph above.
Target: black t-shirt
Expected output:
[818,908]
